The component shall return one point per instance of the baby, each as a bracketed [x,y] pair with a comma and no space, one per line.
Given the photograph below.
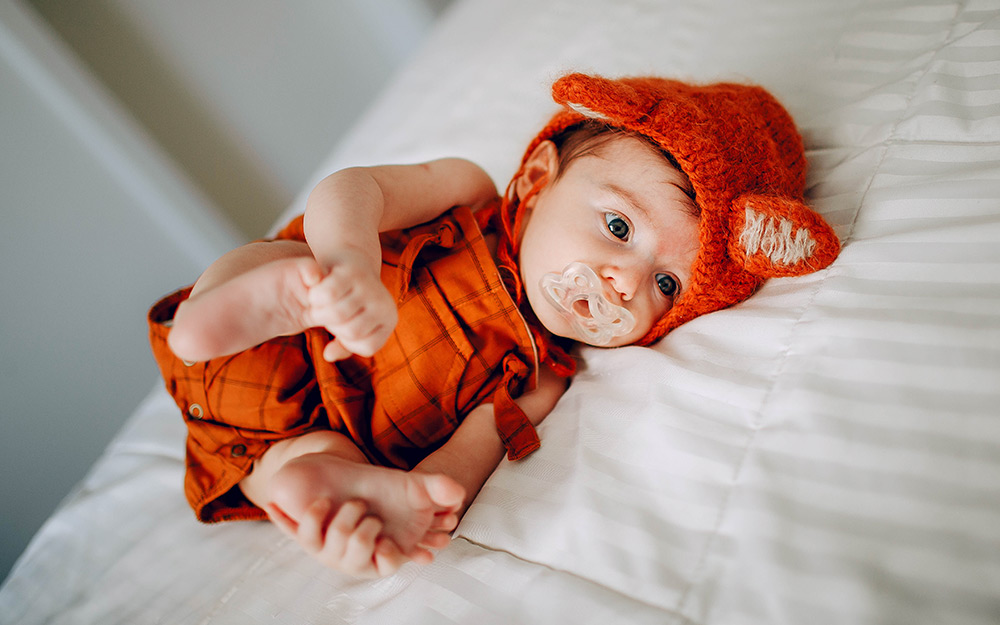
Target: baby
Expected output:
[358,378]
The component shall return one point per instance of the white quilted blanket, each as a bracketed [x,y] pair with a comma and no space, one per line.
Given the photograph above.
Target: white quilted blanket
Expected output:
[828,452]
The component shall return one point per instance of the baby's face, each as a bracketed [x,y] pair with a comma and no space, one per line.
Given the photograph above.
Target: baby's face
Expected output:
[623,211]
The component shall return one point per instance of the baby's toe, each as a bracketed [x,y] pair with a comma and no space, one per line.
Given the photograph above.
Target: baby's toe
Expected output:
[445,492]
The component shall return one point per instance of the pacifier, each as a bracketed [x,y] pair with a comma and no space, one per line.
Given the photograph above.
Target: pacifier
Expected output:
[577,294]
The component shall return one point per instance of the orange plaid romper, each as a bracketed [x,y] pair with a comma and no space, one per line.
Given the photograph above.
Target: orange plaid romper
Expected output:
[460,342]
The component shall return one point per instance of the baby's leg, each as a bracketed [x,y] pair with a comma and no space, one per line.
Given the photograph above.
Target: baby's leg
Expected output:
[320,488]
[250,295]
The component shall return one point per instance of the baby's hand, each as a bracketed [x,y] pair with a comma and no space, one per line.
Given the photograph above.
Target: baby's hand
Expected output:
[348,540]
[351,302]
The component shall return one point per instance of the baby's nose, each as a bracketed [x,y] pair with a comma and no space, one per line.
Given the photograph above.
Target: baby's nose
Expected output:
[623,280]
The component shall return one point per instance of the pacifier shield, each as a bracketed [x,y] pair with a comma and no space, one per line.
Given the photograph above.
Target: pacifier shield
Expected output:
[578,295]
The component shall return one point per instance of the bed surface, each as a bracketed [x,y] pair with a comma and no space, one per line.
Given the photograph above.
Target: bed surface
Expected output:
[827,452]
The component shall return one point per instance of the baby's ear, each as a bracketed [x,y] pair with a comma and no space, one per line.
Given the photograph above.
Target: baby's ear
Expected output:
[539,167]
[776,237]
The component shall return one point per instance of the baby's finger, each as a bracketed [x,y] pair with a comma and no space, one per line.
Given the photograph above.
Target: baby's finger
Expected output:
[337,311]
[435,540]
[444,521]
[388,557]
[365,342]
[312,525]
[360,552]
[345,522]
[339,531]
[331,289]
[284,522]
[420,555]
[311,274]
[335,351]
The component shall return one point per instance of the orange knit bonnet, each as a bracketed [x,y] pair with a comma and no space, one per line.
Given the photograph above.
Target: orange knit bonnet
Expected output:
[740,150]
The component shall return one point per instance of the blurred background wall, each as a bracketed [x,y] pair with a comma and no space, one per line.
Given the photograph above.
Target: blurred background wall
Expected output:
[139,139]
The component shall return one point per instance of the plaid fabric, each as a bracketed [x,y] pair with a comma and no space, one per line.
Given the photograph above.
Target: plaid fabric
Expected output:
[460,342]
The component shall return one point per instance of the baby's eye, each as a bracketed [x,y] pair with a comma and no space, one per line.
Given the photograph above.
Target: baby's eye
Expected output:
[617,226]
[667,284]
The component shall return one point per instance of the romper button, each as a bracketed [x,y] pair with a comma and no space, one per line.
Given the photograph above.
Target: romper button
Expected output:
[446,235]
[239,451]
[188,363]
[196,411]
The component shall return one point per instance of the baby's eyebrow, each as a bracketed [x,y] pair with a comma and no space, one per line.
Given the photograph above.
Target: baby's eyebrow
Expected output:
[686,190]
[626,196]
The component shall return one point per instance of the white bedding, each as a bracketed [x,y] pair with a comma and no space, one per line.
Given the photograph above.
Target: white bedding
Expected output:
[827,452]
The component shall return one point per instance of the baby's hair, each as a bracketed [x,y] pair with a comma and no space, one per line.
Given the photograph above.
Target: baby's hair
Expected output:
[588,136]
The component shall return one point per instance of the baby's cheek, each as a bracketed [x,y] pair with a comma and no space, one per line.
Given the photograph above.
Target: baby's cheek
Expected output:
[644,321]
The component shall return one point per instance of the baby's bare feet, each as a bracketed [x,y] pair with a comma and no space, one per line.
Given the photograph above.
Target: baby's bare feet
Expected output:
[268,301]
[414,510]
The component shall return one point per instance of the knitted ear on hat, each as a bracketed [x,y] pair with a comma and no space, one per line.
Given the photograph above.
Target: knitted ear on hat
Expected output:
[613,101]
[776,237]
[625,103]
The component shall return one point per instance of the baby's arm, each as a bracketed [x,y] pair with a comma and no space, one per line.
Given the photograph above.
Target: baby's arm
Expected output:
[473,452]
[267,289]
[349,208]
[345,214]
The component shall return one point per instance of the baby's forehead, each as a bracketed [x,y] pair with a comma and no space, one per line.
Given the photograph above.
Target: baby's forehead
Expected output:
[635,157]
[627,145]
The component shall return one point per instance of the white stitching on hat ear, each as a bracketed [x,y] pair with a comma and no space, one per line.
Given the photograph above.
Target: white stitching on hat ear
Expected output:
[586,112]
[774,239]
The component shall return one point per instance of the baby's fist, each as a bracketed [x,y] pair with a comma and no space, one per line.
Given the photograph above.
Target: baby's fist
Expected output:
[352,304]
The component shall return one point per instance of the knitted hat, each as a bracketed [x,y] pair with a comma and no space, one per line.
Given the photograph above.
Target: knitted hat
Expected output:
[740,150]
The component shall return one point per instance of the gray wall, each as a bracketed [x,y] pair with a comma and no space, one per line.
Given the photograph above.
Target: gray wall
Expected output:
[245,95]
[138,140]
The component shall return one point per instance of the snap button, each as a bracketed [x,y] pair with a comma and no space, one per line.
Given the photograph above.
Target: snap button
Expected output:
[446,235]
[188,363]
[196,411]
[238,451]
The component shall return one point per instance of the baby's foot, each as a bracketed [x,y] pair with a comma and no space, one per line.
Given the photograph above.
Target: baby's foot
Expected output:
[348,540]
[268,301]
[414,508]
